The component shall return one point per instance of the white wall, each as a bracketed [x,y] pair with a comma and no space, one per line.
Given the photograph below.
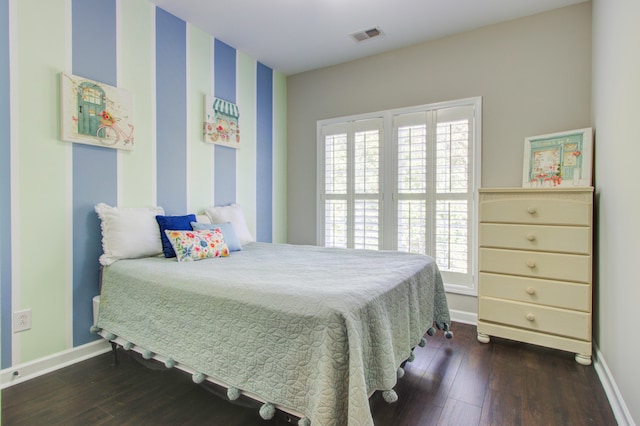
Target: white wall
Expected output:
[616,112]
[534,75]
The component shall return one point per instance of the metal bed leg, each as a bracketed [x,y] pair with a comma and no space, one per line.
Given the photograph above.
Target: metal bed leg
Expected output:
[114,353]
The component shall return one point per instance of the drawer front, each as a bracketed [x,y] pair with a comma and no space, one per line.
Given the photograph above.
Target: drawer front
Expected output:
[566,267]
[536,338]
[532,210]
[535,317]
[531,290]
[566,239]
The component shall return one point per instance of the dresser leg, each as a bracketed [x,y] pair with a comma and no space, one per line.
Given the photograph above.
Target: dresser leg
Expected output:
[583,359]
[483,338]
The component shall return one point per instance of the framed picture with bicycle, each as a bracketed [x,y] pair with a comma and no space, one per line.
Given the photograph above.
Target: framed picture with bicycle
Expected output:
[95,113]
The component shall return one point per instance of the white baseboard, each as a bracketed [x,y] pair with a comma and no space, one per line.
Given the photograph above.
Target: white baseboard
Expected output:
[464,317]
[29,370]
[618,406]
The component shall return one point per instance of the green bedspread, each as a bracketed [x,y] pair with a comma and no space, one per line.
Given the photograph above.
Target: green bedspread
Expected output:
[310,329]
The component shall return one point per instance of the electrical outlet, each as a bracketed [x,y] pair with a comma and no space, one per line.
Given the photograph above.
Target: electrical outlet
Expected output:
[21,320]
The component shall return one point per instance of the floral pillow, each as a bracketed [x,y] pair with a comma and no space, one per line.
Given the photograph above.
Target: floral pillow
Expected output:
[197,245]
[176,223]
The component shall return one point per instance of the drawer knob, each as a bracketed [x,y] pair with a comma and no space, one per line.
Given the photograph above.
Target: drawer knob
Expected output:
[531,290]
[531,210]
[531,263]
[530,317]
[531,237]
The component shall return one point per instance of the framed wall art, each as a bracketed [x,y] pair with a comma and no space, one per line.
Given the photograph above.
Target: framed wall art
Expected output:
[221,122]
[558,159]
[95,113]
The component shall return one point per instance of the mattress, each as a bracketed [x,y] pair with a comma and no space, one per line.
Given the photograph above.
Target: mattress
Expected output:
[309,329]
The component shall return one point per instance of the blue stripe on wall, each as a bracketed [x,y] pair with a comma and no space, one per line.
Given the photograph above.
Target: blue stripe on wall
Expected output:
[94,168]
[264,141]
[224,71]
[5,190]
[171,107]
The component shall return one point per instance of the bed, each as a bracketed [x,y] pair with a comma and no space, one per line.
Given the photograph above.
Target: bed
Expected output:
[308,330]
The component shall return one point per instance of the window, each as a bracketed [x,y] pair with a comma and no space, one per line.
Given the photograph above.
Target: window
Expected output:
[404,180]
[352,180]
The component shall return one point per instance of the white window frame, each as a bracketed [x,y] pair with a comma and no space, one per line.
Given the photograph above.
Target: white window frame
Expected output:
[389,176]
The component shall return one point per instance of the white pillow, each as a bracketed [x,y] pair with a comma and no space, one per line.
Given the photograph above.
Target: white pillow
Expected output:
[128,232]
[232,213]
[203,218]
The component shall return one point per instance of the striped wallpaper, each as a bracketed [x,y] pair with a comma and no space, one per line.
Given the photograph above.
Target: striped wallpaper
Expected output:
[49,233]
[5,187]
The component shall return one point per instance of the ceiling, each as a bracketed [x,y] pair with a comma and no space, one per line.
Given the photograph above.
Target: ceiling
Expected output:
[293,36]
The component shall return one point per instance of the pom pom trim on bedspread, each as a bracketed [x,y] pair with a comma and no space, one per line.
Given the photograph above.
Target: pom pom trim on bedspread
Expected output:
[233,393]
[267,410]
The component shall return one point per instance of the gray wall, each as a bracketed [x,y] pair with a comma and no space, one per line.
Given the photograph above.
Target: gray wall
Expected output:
[616,113]
[534,76]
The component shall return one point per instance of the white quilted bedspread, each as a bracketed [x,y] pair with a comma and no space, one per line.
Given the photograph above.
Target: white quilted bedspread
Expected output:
[311,329]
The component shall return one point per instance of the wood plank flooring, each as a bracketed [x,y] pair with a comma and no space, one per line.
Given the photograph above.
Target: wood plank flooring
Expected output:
[451,382]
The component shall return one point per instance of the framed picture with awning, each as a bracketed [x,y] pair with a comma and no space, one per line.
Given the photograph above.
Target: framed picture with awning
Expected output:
[558,159]
[221,122]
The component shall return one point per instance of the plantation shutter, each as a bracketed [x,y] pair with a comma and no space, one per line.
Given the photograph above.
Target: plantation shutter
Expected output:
[351,193]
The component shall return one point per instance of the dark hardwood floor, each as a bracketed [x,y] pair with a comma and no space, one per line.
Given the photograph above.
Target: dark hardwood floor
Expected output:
[450,382]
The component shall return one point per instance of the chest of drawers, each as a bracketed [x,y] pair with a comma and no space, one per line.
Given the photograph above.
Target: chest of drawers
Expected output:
[535,267]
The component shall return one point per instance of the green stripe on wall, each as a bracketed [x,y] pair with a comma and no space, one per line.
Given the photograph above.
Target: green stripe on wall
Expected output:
[246,95]
[279,158]
[200,154]
[41,173]
[137,167]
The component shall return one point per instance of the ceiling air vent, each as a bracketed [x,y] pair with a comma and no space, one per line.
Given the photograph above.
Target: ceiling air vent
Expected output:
[367,34]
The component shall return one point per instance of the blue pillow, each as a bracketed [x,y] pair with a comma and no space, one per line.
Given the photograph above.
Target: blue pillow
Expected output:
[173,223]
[228,233]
